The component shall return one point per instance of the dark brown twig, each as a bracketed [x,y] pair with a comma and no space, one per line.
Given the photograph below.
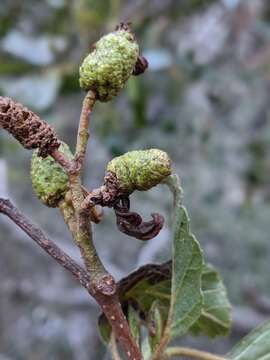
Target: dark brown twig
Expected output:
[109,303]
[8,209]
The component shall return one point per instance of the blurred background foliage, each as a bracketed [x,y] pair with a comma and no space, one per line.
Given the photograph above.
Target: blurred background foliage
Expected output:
[204,99]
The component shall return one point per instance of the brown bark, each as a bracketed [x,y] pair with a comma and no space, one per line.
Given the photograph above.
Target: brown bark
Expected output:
[103,290]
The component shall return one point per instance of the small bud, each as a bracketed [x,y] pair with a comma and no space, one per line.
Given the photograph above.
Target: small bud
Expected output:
[107,68]
[139,170]
[27,127]
[49,180]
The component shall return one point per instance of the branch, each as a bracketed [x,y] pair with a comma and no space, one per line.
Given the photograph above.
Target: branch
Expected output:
[74,167]
[96,214]
[8,209]
[79,224]
[84,240]
[68,165]
[99,277]
[192,353]
[109,303]
[102,282]
[83,133]
[32,133]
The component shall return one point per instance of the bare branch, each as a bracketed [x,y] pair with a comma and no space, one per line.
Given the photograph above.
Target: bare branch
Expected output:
[107,299]
[32,132]
[83,132]
[8,209]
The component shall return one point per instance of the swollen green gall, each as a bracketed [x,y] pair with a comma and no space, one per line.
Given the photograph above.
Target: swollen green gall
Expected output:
[139,169]
[108,67]
[49,181]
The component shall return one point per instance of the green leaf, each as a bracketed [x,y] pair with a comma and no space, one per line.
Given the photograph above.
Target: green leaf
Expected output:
[255,346]
[215,319]
[145,293]
[155,324]
[152,283]
[186,295]
[142,287]
[149,283]
[134,324]
[104,329]
[146,349]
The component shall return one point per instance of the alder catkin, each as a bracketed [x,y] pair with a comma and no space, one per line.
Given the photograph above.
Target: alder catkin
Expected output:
[49,180]
[27,127]
[139,169]
[108,67]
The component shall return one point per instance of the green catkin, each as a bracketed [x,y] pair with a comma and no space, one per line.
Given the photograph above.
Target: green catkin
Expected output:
[108,67]
[49,180]
[140,169]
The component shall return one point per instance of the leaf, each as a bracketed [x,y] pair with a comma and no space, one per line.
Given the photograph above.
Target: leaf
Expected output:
[145,293]
[146,349]
[155,324]
[152,283]
[142,287]
[149,283]
[215,319]
[150,287]
[255,346]
[104,329]
[186,295]
[134,324]
[182,294]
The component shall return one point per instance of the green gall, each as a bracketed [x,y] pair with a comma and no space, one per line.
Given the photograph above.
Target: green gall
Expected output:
[140,169]
[49,180]
[107,68]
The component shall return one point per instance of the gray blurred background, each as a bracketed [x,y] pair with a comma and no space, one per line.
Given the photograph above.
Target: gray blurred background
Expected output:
[204,99]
